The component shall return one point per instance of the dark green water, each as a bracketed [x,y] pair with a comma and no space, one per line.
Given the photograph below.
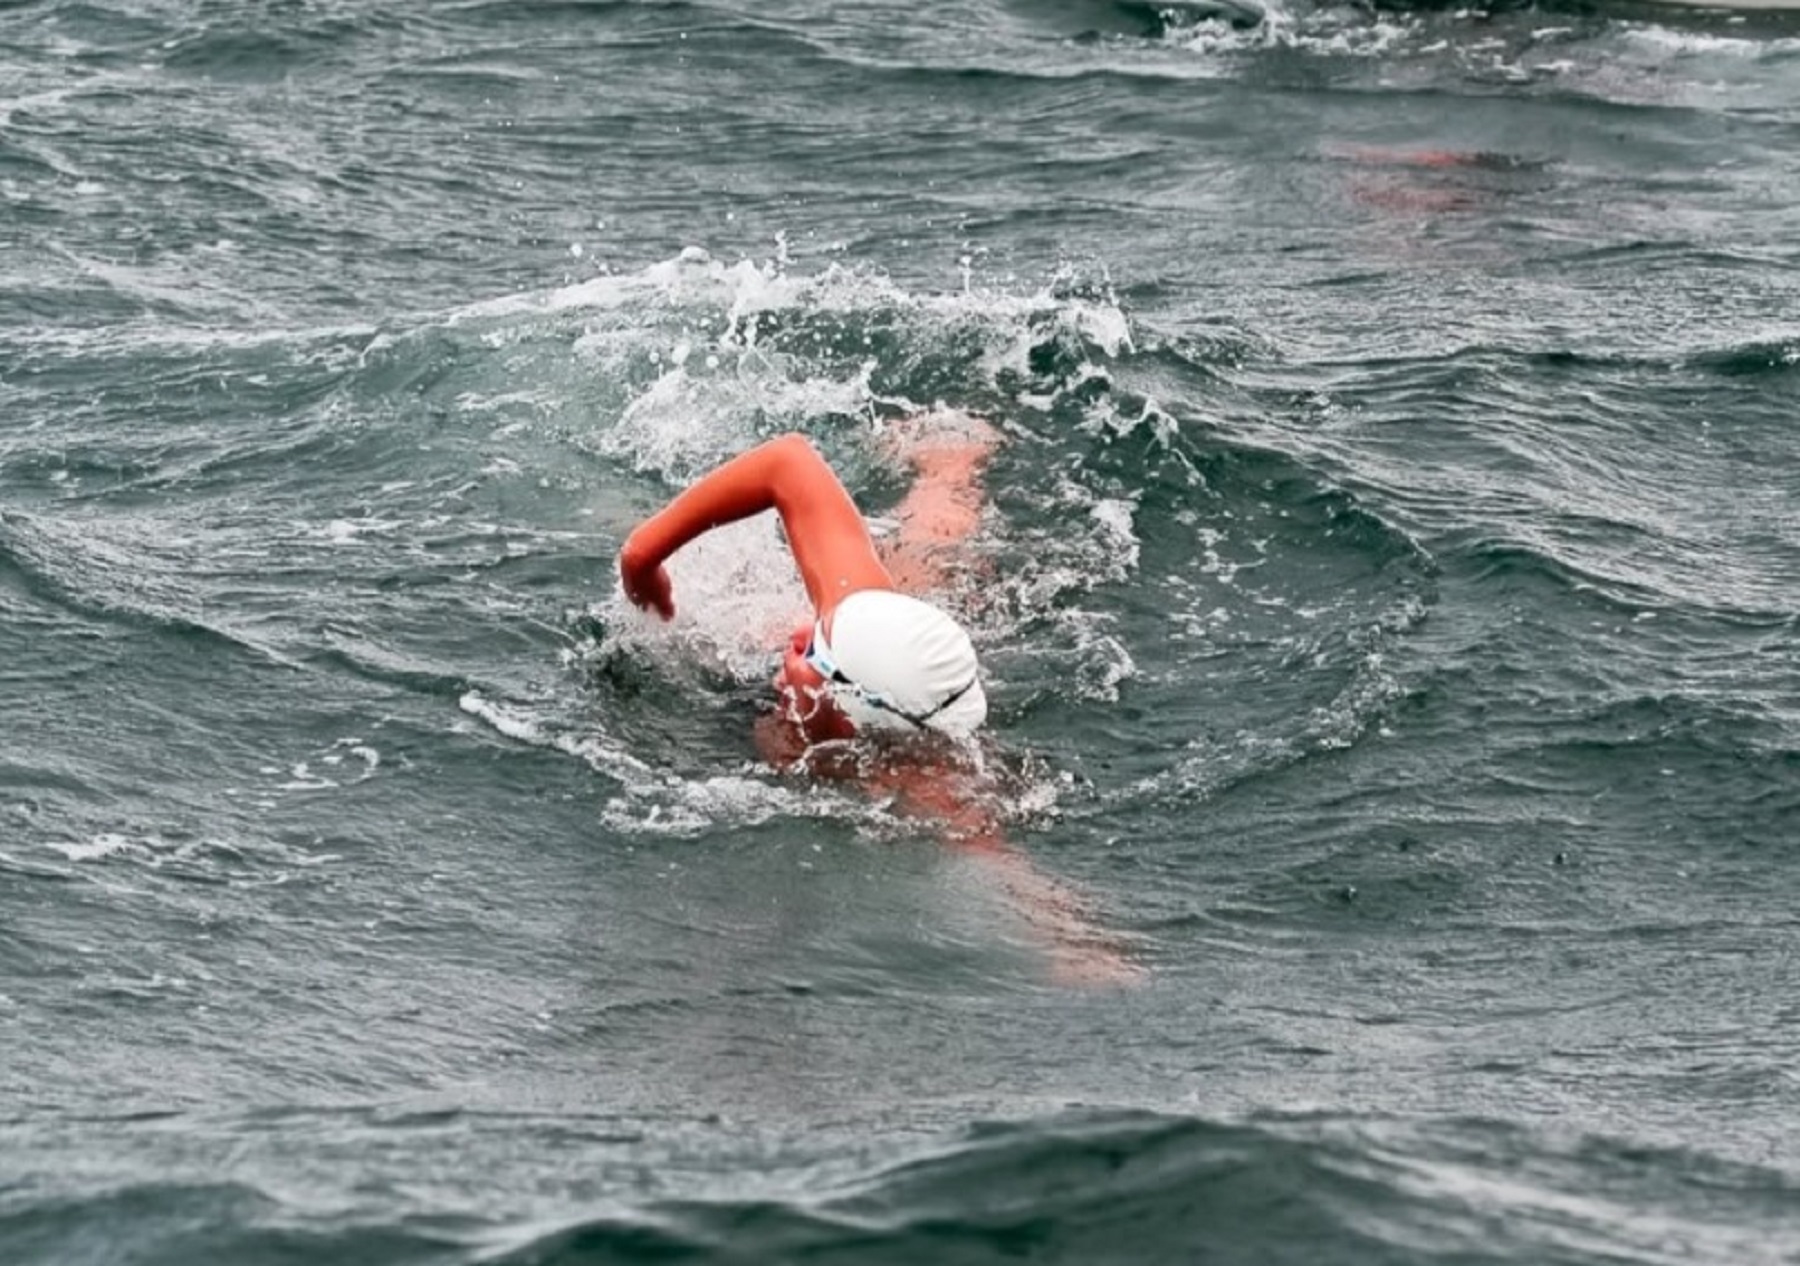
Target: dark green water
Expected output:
[1391,633]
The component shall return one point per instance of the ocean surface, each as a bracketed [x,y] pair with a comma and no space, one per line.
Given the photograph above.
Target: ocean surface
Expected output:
[1389,593]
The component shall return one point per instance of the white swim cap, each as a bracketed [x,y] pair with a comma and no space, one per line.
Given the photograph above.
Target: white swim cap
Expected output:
[894,662]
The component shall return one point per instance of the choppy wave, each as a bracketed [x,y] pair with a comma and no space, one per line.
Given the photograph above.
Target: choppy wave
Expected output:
[1081,1186]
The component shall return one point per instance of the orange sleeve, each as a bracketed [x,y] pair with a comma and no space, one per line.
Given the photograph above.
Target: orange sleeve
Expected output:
[825,531]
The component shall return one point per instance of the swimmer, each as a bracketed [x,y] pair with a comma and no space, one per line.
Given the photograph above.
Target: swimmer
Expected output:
[874,662]
[871,659]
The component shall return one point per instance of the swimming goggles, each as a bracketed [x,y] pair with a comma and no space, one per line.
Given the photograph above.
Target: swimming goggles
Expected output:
[818,657]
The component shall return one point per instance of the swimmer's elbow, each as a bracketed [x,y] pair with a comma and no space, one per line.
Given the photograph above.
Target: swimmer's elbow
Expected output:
[793,446]
[796,464]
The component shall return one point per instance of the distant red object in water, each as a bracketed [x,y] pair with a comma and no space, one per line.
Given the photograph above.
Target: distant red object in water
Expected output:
[1481,159]
[1393,191]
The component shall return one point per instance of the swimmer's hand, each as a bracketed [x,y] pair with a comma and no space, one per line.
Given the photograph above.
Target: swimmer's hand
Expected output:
[646,582]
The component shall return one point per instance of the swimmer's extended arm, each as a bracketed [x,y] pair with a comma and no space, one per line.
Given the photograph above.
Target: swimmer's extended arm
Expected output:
[825,531]
[1079,951]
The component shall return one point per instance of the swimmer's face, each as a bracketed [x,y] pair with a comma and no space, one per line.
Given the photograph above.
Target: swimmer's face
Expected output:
[804,699]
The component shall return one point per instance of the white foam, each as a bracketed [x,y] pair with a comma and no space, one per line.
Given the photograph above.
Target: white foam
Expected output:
[691,279]
[710,357]
[302,778]
[1662,39]
[105,844]
[351,531]
[1328,32]
[658,802]
[350,747]
[695,806]
[516,724]
[737,598]
[1104,663]
[1115,516]
[507,722]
